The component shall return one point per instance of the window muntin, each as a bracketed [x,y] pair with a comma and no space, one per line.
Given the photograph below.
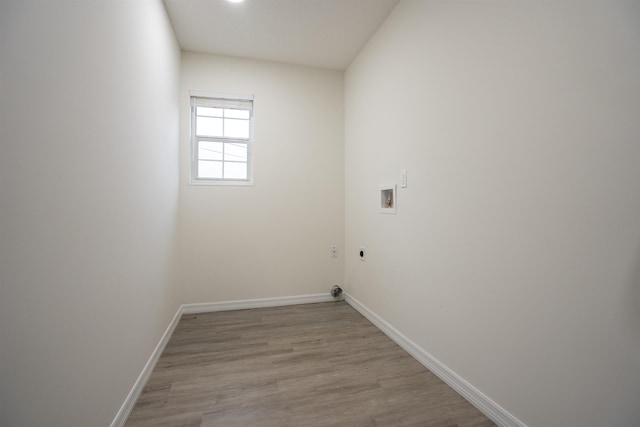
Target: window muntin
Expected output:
[221,140]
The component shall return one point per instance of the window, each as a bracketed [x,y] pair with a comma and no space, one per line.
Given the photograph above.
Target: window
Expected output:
[221,139]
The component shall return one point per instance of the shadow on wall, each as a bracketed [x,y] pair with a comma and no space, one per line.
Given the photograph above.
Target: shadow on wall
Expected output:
[633,293]
[632,317]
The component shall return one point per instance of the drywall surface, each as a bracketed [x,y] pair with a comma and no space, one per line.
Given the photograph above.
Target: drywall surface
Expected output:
[270,239]
[514,257]
[88,195]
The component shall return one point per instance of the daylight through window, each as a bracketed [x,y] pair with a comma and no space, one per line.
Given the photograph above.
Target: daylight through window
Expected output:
[221,135]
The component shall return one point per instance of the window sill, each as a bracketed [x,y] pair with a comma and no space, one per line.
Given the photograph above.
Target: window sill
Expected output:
[230,183]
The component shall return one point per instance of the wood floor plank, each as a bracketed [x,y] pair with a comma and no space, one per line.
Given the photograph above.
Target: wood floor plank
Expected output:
[307,365]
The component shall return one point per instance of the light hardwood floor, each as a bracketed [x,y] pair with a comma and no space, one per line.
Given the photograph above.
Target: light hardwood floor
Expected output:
[305,365]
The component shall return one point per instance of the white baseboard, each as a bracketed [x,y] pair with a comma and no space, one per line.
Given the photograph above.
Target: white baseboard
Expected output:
[487,406]
[255,303]
[138,386]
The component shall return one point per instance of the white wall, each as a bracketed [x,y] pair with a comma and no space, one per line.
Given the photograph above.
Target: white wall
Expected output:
[88,194]
[270,239]
[514,257]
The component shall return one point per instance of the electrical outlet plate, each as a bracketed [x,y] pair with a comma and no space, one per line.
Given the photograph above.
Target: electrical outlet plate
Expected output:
[333,251]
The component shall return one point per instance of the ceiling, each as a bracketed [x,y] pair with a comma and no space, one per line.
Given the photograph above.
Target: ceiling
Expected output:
[317,33]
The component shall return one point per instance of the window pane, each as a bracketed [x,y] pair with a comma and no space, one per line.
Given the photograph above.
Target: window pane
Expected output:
[208,169]
[236,114]
[209,150]
[236,128]
[207,126]
[235,152]
[209,111]
[235,170]
[220,136]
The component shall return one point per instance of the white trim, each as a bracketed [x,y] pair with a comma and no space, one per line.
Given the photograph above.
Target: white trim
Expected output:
[255,303]
[141,382]
[219,99]
[491,409]
[220,95]
[138,386]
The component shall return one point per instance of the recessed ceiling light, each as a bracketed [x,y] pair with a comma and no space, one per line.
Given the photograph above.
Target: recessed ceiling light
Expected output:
[235,1]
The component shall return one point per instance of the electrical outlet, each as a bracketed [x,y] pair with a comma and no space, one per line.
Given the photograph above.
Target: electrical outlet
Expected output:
[333,251]
[362,253]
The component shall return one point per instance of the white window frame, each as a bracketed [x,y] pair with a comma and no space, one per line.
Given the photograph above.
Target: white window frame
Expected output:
[224,101]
